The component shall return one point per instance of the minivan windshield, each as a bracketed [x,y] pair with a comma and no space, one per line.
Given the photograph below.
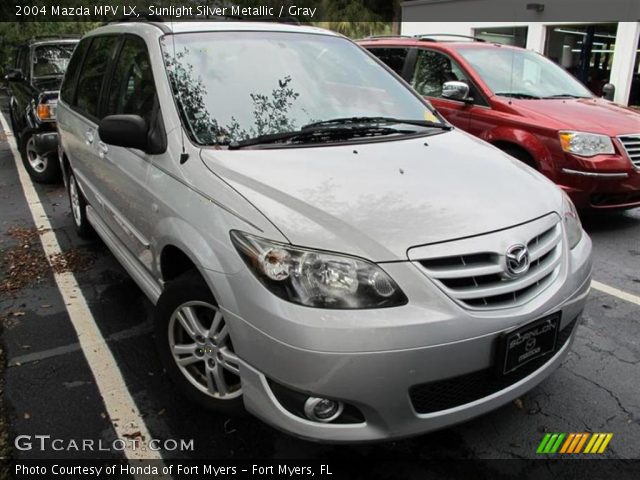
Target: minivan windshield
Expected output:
[52,60]
[513,72]
[239,86]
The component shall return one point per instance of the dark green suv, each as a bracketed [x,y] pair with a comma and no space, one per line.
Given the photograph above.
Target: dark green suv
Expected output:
[34,81]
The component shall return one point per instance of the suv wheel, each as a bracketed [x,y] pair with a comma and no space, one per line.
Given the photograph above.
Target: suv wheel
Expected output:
[41,168]
[195,346]
[78,206]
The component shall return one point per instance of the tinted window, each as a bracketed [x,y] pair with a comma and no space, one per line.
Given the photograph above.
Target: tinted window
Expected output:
[393,57]
[92,74]
[18,57]
[24,62]
[69,83]
[432,70]
[132,90]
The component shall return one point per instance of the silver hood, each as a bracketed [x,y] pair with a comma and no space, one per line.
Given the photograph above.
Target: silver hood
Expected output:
[379,199]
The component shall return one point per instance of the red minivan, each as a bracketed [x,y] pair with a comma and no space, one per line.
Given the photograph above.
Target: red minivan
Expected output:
[529,107]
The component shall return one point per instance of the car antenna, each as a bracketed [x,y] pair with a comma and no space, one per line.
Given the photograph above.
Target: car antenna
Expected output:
[184,156]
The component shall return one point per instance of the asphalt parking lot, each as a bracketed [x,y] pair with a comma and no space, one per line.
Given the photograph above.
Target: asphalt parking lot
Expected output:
[49,387]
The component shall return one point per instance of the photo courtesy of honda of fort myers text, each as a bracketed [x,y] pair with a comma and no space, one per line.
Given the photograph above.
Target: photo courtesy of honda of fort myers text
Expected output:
[359,239]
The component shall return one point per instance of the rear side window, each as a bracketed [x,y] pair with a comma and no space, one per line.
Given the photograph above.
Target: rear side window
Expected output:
[132,90]
[69,82]
[51,60]
[18,58]
[393,57]
[92,74]
[23,64]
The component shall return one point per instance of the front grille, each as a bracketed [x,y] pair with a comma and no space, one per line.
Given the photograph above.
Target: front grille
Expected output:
[456,391]
[631,144]
[478,280]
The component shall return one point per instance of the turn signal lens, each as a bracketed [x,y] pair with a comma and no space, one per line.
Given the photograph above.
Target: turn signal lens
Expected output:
[46,111]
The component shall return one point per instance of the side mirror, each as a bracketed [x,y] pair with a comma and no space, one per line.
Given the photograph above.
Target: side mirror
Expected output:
[14,76]
[456,91]
[609,91]
[129,131]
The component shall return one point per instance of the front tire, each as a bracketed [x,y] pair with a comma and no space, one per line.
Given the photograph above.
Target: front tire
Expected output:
[195,346]
[41,168]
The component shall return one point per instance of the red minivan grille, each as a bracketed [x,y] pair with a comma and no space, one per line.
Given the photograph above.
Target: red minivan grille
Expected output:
[631,144]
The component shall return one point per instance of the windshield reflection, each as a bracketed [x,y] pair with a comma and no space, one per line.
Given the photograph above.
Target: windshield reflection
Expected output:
[521,73]
[234,86]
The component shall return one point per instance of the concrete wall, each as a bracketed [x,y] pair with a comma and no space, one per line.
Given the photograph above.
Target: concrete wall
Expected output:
[516,10]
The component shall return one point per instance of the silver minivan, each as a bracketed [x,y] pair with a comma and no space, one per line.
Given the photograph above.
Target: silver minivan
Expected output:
[322,248]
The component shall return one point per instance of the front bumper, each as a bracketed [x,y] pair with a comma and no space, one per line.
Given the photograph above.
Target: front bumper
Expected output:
[372,359]
[603,182]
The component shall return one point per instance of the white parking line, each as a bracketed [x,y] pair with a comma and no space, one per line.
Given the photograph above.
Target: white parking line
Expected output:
[121,408]
[615,292]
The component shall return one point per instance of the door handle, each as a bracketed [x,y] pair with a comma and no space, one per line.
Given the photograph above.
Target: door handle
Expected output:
[88,136]
[102,149]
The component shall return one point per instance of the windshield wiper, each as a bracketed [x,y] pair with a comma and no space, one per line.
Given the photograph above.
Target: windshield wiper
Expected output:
[376,120]
[521,95]
[565,95]
[318,134]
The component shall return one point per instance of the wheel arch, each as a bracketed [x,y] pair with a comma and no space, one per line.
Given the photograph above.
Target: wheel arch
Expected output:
[181,248]
[524,141]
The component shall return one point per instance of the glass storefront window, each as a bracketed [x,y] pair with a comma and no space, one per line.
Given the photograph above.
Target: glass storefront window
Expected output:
[585,51]
[634,94]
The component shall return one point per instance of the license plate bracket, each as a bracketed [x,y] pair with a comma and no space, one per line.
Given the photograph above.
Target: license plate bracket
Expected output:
[527,343]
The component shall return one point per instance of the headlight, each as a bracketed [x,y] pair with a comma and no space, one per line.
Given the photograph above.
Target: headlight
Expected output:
[317,279]
[571,221]
[586,144]
[46,111]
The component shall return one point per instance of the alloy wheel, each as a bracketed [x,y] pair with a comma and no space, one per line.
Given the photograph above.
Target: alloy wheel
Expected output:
[76,208]
[37,162]
[201,347]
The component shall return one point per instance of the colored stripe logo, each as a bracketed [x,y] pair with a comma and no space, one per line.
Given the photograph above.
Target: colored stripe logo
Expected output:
[573,443]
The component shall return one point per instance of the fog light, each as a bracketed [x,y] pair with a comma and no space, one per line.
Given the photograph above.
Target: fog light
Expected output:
[322,409]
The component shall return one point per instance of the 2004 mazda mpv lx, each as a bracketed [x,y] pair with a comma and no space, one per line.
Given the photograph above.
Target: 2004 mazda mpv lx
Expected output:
[321,246]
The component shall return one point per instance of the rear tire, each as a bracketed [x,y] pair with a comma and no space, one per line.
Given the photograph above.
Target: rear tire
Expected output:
[78,205]
[195,346]
[41,168]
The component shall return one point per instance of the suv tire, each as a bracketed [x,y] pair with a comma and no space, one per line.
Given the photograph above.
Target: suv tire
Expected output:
[41,168]
[195,346]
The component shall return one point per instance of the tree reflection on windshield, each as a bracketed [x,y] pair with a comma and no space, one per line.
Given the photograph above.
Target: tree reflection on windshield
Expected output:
[190,93]
[233,86]
[270,112]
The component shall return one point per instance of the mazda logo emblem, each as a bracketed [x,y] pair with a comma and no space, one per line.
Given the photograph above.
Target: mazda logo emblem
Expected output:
[517,258]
